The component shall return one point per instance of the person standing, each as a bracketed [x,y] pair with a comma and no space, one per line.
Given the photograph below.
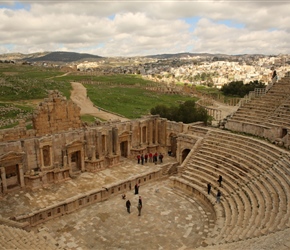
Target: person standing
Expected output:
[161,158]
[138,159]
[136,188]
[220,179]
[139,206]
[218,196]
[146,158]
[155,158]
[150,157]
[142,159]
[128,205]
[274,76]
[208,188]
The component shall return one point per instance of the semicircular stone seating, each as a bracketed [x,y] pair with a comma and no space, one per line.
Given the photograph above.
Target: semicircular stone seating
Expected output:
[255,187]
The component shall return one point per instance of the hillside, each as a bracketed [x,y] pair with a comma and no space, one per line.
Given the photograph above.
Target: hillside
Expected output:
[61,56]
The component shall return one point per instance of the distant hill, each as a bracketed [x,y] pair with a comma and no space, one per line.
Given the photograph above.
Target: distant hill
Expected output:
[178,55]
[62,56]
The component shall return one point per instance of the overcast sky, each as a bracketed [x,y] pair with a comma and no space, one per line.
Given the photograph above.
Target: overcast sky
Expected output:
[134,28]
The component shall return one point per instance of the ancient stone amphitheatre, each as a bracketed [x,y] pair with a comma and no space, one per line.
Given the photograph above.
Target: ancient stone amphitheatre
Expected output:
[62,182]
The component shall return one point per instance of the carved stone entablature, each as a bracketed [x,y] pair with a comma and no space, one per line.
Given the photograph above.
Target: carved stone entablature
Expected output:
[11,158]
[45,141]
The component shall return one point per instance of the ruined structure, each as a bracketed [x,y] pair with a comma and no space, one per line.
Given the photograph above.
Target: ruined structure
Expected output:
[59,146]
[256,192]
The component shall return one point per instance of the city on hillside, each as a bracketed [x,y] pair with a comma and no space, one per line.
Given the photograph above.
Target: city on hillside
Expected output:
[198,69]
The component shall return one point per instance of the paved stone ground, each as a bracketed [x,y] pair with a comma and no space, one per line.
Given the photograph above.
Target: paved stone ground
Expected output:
[25,201]
[169,220]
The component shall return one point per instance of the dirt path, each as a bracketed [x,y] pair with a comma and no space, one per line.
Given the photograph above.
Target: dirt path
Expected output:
[79,96]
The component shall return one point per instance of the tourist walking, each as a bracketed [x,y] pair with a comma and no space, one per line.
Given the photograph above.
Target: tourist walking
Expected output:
[142,159]
[150,157]
[146,157]
[136,188]
[160,158]
[155,158]
[208,188]
[220,179]
[218,196]
[139,206]
[128,205]
[138,159]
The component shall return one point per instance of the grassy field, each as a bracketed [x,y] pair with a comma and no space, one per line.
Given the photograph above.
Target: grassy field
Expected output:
[130,102]
[20,85]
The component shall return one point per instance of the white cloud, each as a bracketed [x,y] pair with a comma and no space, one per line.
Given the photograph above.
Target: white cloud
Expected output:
[127,28]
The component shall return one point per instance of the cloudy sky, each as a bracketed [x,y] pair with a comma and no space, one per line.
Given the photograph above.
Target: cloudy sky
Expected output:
[133,27]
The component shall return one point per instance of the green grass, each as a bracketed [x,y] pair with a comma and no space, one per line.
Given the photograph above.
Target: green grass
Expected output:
[121,94]
[130,102]
[109,79]
[89,118]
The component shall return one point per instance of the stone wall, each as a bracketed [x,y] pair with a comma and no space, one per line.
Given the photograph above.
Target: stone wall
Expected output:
[59,147]
[56,114]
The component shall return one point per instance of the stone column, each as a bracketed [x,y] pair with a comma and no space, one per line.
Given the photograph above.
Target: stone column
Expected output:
[150,132]
[116,146]
[41,158]
[3,177]
[64,161]
[50,155]
[129,143]
[156,132]
[21,175]
[82,159]
[69,164]
[93,150]
[99,145]
[110,144]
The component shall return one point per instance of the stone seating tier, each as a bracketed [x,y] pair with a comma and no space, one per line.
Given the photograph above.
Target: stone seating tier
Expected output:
[255,183]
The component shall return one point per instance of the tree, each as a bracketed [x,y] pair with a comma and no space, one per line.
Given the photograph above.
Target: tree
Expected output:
[238,88]
[187,112]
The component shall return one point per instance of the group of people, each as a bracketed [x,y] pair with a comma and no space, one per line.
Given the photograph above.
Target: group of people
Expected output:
[149,157]
[219,194]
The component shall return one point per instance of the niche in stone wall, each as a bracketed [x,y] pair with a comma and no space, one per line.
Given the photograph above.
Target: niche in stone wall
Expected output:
[45,147]
[124,140]
[12,176]
[144,134]
[46,156]
[75,155]
[173,145]
[76,161]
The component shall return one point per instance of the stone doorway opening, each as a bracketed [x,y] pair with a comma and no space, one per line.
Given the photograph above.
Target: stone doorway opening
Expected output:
[173,143]
[12,177]
[76,164]
[124,148]
[185,153]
